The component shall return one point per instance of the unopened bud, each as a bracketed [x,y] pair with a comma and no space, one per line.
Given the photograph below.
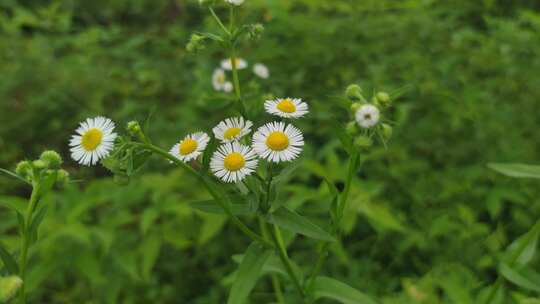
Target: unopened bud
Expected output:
[363,142]
[62,177]
[383,99]
[354,92]
[351,128]
[51,159]
[386,131]
[39,164]
[255,31]
[24,169]
[355,106]
[133,127]
[9,286]
[196,43]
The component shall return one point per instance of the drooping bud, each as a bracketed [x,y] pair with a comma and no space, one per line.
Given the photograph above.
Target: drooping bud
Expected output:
[51,159]
[363,142]
[24,169]
[9,286]
[351,128]
[383,99]
[196,43]
[354,92]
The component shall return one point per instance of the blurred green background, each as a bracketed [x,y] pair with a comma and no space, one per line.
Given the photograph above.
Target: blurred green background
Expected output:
[428,219]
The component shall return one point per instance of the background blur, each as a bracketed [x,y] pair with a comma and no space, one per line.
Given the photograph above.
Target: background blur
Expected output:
[427,218]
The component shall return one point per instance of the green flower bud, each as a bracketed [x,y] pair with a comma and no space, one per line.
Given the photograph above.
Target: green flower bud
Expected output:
[383,99]
[39,164]
[9,286]
[355,106]
[24,169]
[62,177]
[133,127]
[363,142]
[255,31]
[51,159]
[196,43]
[386,131]
[351,128]
[354,92]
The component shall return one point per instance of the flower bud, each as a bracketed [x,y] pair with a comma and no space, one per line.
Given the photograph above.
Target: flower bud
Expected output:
[51,159]
[386,131]
[383,99]
[24,169]
[363,142]
[39,164]
[133,127]
[354,92]
[62,177]
[196,43]
[255,31]
[355,106]
[351,128]
[9,286]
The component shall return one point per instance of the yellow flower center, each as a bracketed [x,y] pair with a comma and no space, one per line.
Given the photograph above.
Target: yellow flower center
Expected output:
[231,133]
[187,146]
[234,161]
[91,139]
[277,141]
[286,105]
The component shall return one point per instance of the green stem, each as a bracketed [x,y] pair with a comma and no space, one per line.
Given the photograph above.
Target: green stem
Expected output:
[34,198]
[274,278]
[219,21]
[282,251]
[219,198]
[513,259]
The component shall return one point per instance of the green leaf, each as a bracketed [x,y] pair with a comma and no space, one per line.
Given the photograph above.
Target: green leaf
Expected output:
[522,276]
[14,175]
[150,251]
[273,265]
[292,221]
[248,273]
[286,173]
[14,203]
[528,243]
[36,221]
[212,206]
[8,260]
[516,170]
[325,287]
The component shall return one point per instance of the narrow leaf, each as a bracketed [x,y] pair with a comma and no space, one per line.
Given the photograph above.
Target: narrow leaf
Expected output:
[14,175]
[36,221]
[516,170]
[292,221]
[8,260]
[248,273]
[527,243]
[212,206]
[325,287]
[521,276]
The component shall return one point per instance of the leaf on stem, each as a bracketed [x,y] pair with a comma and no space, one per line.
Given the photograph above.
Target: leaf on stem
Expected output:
[292,221]
[36,221]
[522,276]
[248,273]
[325,287]
[14,175]
[8,260]
[516,170]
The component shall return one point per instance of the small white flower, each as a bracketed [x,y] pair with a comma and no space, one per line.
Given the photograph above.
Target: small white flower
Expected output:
[227,87]
[219,79]
[261,70]
[286,107]
[232,129]
[232,162]
[277,142]
[235,2]
[94,140]
[367,116]
[226,64]
[190,147]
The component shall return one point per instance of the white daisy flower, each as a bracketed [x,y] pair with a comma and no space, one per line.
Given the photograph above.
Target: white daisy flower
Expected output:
[190,147]
[235,2]
[227,87]
[367,116]
[277,142]
[261,70]
[226,64]
[94,140]
[232,162]
[286,107]
[219,80]
[232,129]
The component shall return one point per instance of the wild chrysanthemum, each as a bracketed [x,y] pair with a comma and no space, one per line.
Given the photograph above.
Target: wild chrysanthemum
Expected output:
[277,142]
[261,70]
[226,64]
[219,81]
[94,140]
[235,2]
[190,147]
[232,129]
[286,107]
[367,116]
[232,162]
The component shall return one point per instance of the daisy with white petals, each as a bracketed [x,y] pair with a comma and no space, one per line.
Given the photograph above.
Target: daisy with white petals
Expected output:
[235,2]
[190,147]
[367,116]
[226,64]
[232,162]
[261,70]
[232,129]
[278,142]
[219,81]
[94,140]
[286,107]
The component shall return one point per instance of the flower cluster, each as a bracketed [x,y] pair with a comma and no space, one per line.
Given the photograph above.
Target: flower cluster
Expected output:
[219,77]
[368,122]
[236,157]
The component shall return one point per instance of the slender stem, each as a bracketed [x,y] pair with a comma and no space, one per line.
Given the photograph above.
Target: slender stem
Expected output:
[513,258]
[274,278]
[219,21]
[219,198]
[278,241]
[34,198]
